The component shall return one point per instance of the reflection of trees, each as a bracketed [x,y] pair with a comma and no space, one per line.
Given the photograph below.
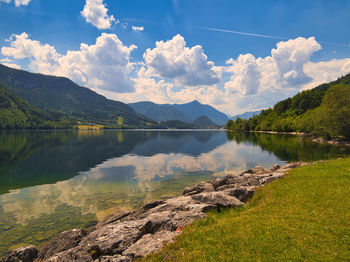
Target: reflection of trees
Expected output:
[289,147]
[32,158]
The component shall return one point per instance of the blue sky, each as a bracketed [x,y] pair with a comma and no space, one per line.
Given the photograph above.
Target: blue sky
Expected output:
[234,72]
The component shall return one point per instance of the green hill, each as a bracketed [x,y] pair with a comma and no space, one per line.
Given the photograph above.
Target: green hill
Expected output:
[323,111]
[16,113]
[60,94]
[203,122]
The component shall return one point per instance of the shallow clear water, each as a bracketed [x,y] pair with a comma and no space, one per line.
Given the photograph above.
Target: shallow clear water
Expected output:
[55,181]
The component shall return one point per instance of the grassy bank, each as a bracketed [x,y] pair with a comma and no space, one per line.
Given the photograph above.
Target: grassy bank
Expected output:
[303,217]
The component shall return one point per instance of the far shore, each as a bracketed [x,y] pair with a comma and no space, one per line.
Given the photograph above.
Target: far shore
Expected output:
[306,135]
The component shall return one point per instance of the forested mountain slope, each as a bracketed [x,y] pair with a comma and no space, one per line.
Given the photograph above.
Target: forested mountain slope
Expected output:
[62,95]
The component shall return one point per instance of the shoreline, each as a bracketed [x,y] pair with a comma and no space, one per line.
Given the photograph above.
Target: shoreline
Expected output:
[126,236]
[320,140]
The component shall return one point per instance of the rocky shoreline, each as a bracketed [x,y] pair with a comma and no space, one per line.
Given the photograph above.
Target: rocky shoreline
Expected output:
[126,236]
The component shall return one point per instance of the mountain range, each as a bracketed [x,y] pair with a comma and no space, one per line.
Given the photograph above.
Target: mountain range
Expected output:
[183,112]
[59,94]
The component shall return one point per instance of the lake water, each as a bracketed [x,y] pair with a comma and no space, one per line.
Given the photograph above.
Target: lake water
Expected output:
[55,181]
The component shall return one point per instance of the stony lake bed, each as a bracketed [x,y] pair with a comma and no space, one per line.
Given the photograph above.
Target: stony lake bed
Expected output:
[57,181]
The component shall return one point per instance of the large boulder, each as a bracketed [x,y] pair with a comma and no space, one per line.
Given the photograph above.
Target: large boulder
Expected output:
[23,254]
[216,182]
[156,221]
[243,180]
[64,241]
[242,193]
[220,199]
[183,218]
[114,238]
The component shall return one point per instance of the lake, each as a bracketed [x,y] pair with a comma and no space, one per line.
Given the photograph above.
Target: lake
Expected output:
[51,181]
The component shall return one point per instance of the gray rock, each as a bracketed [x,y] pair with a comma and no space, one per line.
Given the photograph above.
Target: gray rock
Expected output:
[234,180]
[258,169]
[183,218]
[274,168]
[64,241]
[225,187]
[150,243]
[244,180]
[112,219]
[242,193]
[152,204]
[217,182]
[248,171]
[251,180]
[156,221]
[23,254]
[114,238]
[198,188]
[71,255]
[220,199]
[172,204]
[292,165]
[269,179]
[200,207]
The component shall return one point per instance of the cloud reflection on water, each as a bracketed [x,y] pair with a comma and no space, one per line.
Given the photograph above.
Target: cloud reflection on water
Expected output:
[114,181]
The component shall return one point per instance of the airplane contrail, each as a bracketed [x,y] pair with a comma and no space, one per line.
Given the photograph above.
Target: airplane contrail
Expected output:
[260,35]
[239,32]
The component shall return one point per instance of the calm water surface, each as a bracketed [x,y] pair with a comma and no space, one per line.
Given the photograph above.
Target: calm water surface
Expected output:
[55,181]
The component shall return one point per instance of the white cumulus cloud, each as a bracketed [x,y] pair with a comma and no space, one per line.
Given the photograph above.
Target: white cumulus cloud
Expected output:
[174,60]
[290,57]
[104,65]
[246,75]
[137,28]
[283,69]
[326,71]
[96,13]
[8,62]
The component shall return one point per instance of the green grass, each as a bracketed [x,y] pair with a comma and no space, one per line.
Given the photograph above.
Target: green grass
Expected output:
[303,217]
